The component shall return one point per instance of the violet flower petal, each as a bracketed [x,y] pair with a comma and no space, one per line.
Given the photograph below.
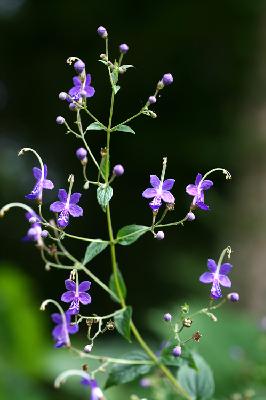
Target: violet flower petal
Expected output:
[74,198]
[202,205]
[76,81]
[225,268]
[70,285]
[67,297]
[168,197]
[191,190]
[168,184]
[73,328]
[57,318]
[37,173]
[155,181]
[205,185]
[75,211]
[149,193]
[211,264]
[84,298]
[57,206]
[198,179]
[62,195]
[207,277]
[224,280]
[47,184]
[84,286]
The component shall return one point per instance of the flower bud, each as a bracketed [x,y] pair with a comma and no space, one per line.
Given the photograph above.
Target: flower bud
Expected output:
[87,348]
[152,114]
[234,297]
[160,85]
[152,100]
[62,96]
[81,153]
[123,48]
[118,170]
[167,317]
[145,382]
[72,106]
[177,351]
[102,32]
[159,235]
[60,120]
[32,220]
[79,66]
[167,79]
[190,216]
[44,233]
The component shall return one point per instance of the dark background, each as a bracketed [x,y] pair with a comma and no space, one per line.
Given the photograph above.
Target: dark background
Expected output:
[212,116]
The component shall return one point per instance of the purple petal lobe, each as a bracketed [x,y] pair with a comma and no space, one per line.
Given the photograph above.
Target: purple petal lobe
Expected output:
[168,184]
[225,268]
[205,185]
[155,181]
[57,318]
[70,285]
[89,91]
[73,328]
[88,79]
[202,205]
[57,206]
[84,286]
[74,92]
[62,195]
[63,219]
[149,193]
[37,173]
[192,190]
[45,171]
[167,197]
[224,280]
[156,203]
[75,211]
[198,179]
[211,264]
[76,81]
[74,198]
[47,184]
[207,277]
[84,298]
[57,331]
[67,297]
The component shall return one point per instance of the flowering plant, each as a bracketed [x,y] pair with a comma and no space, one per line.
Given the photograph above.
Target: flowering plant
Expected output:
[188,374]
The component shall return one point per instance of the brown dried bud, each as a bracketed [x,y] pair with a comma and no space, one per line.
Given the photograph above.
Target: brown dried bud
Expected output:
[85,367]
[170,206]
[196,336]
[187,322]
[110,325]
[193,207]
[89,321]
[103,152]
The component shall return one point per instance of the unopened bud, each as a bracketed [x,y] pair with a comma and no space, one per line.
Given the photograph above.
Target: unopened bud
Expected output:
[60,120]
[88,348]
[79,66]
[177,351]
[102,32]
[63,96]
[234,297]
[190,216]
[167,317]
[159,235]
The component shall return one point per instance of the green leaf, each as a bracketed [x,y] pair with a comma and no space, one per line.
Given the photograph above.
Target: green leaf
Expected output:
[124,128]
[130,233]
[93,250]
[95,126]
[123,373]
[114,76]
[122,285]
[122,322]
[199,384]
[104,195]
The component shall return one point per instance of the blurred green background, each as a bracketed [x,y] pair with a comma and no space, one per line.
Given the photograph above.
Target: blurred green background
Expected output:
[214,115]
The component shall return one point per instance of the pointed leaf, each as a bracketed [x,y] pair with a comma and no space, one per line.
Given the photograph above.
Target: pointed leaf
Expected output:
[104,195]
[95,126]
[122,322]
[93,250]
[199,384]
[123,373]
[130,233]
[122,285]
[124,128]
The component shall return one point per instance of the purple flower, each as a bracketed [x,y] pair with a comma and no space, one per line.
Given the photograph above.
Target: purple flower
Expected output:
[159,192]
[76,294]
[67,205]
[217,276]
[42,183]
[61,330]
[34,233]
[96,392]
[197,191]
[81,88]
